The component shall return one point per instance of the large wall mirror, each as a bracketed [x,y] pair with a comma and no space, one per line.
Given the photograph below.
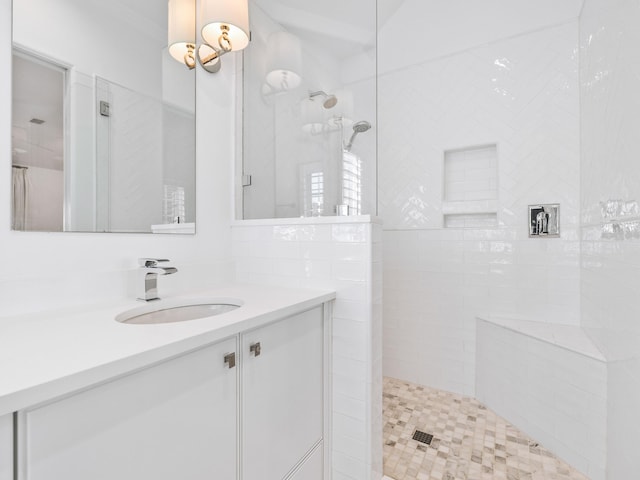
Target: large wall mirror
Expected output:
[103,121]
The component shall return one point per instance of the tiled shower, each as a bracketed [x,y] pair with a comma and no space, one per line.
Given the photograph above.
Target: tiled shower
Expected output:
[556,349]
[521,95]
[523,107]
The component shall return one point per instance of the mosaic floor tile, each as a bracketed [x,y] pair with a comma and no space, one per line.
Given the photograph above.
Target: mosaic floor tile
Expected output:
[470,442]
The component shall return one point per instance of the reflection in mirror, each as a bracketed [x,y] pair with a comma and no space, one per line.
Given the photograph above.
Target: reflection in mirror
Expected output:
[309,110]
[103,128]
[38,146]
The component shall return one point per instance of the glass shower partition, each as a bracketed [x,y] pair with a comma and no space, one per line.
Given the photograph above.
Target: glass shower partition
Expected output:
[309,111]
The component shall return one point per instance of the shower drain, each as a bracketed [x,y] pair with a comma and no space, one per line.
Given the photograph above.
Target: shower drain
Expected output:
[422,437]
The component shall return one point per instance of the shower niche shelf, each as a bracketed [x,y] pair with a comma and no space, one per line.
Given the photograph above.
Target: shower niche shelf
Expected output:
[470,187]
[470,214]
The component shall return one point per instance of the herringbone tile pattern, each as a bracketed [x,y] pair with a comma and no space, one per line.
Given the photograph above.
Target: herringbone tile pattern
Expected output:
[520,94]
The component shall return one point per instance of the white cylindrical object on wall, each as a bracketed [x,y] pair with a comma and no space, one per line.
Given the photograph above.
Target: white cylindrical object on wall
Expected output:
[181,27]
[284,61]
[232,13]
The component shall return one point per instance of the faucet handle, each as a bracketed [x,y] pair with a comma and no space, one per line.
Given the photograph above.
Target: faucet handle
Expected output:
[151,262]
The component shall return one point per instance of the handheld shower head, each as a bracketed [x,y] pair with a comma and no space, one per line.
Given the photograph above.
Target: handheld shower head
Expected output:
[361,127]
[329,101]
[358,127]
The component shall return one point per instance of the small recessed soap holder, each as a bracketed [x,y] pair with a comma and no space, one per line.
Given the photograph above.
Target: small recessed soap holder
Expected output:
[544,220]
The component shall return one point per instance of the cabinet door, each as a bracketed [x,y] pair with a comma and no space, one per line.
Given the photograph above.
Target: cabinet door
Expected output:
[176,420]
[6,447]
[311,469]
[282,416]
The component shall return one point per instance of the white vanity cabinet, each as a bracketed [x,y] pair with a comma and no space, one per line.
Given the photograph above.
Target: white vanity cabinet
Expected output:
[6,447]
[175,420]
[282,379]
[186,417]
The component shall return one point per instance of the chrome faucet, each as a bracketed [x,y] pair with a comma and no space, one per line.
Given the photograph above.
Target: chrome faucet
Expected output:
[149,270]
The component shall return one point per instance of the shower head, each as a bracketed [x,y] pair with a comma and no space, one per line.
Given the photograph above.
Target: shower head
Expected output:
[328,101]
[361,126]
[358,127]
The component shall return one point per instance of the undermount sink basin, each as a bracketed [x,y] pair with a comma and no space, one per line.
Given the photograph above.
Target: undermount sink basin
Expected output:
[171,312]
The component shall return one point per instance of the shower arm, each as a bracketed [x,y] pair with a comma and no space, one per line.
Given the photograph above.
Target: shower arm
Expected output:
[350,143]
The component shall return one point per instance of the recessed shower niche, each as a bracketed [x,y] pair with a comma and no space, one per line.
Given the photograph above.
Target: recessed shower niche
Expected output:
[470,190]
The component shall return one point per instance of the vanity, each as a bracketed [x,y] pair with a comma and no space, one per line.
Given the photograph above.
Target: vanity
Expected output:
[240,395]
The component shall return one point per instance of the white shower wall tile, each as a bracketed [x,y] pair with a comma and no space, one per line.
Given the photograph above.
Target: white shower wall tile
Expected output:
[436,282]
[611,147]
[610,72]
[376,361]
[520,94]
[556,395]
[338,256]
[610,275]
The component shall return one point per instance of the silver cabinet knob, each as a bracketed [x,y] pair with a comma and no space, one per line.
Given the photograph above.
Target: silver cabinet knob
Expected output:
[230,360]
[254,348]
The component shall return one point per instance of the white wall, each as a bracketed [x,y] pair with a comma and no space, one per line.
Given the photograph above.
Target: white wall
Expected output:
[42,270]
[80,169]
[419,30]
[93,37]
[610,100]
[520,94]
[130,143]
[178,145]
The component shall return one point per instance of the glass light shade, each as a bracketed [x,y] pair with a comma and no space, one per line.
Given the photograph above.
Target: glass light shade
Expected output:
[231,13]
[182,27]
[284,61]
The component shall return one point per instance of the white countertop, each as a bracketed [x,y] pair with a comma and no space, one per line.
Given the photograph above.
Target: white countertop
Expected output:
[48,354]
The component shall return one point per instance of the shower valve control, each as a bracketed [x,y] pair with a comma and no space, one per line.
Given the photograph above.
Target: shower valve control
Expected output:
[544,220]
